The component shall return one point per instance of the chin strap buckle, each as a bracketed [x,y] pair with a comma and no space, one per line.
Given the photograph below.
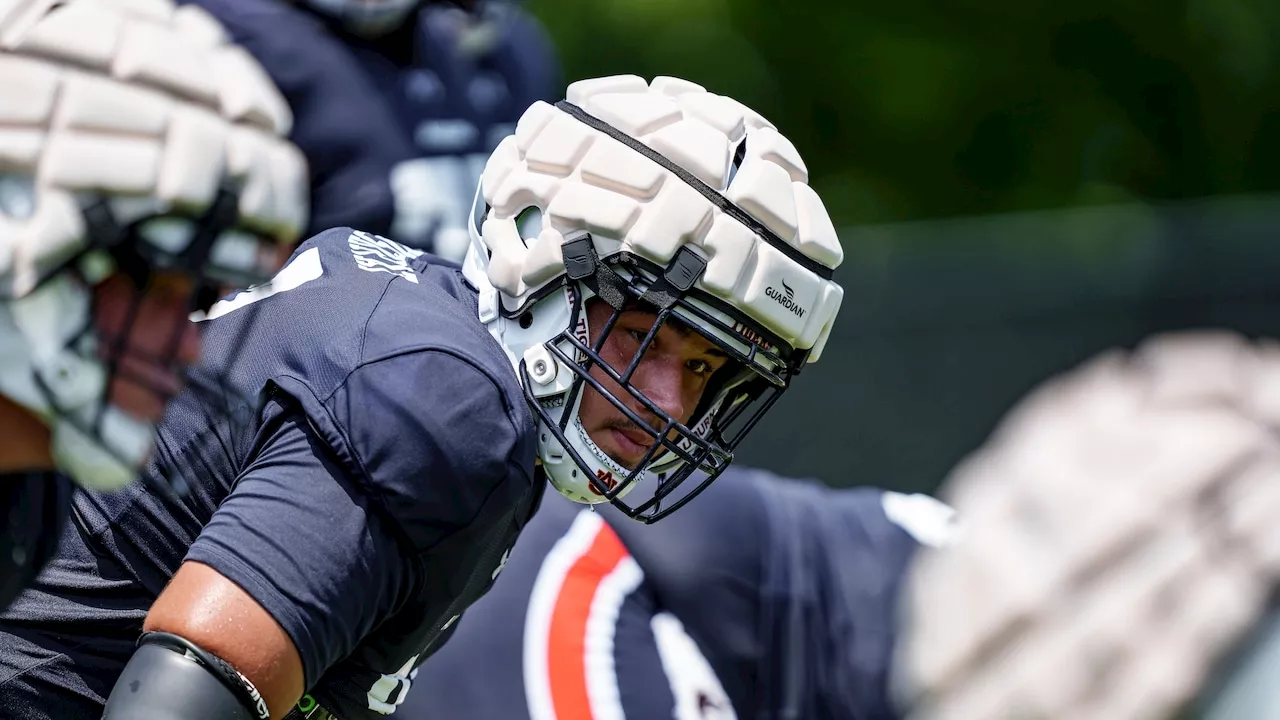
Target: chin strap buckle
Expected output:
[582,264]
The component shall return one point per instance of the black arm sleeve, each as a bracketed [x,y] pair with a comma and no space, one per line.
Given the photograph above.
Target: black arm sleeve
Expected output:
[171,678]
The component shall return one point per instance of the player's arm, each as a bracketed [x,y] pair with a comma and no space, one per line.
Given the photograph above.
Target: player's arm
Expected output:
[206,608]
[836,559]
[293,569]
[321,535]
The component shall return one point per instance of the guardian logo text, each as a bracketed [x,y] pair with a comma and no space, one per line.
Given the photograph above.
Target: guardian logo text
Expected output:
[786,297]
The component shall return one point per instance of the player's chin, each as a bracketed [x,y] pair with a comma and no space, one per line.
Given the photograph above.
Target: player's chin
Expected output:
[621,449]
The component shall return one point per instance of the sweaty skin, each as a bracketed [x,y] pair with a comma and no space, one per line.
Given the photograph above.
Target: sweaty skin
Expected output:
[673,374]
[205,607]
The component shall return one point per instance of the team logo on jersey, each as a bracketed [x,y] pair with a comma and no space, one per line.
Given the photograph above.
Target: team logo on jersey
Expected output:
[786,297]
[378,254]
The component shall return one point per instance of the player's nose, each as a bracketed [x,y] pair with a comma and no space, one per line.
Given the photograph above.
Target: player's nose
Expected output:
[660,377]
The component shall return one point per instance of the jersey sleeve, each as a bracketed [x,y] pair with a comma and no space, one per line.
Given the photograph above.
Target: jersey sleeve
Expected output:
[835,563]
[303,541]
[440,442]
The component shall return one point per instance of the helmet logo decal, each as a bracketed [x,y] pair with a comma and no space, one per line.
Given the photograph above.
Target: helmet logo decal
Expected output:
[786,298]
[752,335]
[606,478]
[699,430]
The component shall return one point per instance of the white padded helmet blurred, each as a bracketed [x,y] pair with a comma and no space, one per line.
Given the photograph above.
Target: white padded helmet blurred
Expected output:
[134,140]
[1118,547]
[668,196]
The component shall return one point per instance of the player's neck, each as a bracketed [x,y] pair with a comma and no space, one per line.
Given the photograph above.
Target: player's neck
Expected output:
[25,442]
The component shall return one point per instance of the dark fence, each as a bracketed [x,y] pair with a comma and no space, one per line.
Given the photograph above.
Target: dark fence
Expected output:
[946,324]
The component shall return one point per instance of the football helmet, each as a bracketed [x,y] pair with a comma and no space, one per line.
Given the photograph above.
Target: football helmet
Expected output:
[666,197]
[137,145]
[1117,543]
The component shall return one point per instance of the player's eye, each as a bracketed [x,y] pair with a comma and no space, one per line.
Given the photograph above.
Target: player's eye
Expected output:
[638,335]
[701,368]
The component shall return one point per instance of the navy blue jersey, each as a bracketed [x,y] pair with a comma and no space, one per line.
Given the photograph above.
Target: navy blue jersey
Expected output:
[397,129]
[764,598]
[359,458]
[457,86]
[350,137]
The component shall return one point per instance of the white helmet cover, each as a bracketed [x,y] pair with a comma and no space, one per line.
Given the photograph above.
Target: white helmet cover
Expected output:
[674,198]
[133,136]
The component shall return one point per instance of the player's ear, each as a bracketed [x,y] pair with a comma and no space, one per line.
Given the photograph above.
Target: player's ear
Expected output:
[204,607]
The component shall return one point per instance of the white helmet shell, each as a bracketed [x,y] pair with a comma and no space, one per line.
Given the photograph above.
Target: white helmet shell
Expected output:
[646,170]
[145,109]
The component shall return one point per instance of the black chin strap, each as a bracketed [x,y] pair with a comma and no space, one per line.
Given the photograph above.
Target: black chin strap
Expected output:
[683,271]
[582,264]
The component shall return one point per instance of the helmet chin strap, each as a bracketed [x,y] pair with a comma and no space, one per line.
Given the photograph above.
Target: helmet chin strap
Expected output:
[566,475]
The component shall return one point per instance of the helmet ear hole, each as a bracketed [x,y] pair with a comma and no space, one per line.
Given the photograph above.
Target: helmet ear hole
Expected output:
[529,223]
[739,155]
[526,320]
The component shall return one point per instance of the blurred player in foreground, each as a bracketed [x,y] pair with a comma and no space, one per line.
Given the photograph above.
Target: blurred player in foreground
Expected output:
[1114,550]
[141,168]
[1119,548]
[399,102]
[648,272]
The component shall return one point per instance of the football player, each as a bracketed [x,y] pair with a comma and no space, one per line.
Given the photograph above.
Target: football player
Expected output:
[766,598]
[1114,543]
[141,168]
[399,102]
[366,434]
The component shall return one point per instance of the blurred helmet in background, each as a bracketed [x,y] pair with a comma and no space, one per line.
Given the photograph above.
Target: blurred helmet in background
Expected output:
[143,169]
[1119,542]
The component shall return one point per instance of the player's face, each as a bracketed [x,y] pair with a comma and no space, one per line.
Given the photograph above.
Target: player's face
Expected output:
[673,373]
[25,444]
[157,342]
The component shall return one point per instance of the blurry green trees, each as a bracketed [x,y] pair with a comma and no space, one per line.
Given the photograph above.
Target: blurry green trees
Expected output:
[923,108]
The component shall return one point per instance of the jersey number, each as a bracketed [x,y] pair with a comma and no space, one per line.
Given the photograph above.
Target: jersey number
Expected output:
[302,270]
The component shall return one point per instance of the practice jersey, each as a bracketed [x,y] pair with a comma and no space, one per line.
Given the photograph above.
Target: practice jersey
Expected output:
[763,598]
[457,85]
[357,455]
[397,128]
